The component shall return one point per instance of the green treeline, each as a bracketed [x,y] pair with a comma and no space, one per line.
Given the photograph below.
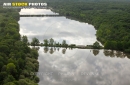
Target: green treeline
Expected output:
[17,60]
[52,43]
[111,20]
[49,42]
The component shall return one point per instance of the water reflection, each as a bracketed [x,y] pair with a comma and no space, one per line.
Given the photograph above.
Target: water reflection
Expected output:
[58,28]
[95,52]
[107,53]
[51,51]
[58,49]
[61,66]
[83,67]
[114,53]
[46,49]
[63,51]
[35,47]
[54,49]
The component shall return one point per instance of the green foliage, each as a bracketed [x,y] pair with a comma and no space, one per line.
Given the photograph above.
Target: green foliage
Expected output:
[4,49]
[14,52]
[51,41]
[11,68]
[11,60]
[26,82]
[127,50]
[13,25]
[1,64]
[46,42]
[10,83]
[110,19]
[34,53]
[36,79]
[23,82]
[35,42]
[96,45]
[2,24]
[21,77]
[25,73]
[3,75]
[64,42]
[3,68]
[108,45]
[117,45]
[24,39]
[21,63]
[9,78]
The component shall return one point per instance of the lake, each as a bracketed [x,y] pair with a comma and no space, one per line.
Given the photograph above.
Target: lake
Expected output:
[61,66]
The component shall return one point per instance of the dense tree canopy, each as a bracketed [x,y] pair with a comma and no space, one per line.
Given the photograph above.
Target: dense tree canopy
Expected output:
[111,20]
[14,52]
[35,42]
[24,39]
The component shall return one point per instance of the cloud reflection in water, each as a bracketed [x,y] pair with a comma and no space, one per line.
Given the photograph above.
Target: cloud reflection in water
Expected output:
[83,68]
[58,28]
[77,66]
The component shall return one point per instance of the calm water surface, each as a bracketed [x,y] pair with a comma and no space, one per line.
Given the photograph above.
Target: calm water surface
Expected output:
[58,28]
[61,66]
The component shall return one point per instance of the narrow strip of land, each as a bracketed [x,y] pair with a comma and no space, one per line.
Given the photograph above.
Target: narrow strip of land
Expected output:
[42,15]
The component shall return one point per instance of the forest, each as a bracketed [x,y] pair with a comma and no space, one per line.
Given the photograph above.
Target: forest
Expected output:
[110,19]
[18,62]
